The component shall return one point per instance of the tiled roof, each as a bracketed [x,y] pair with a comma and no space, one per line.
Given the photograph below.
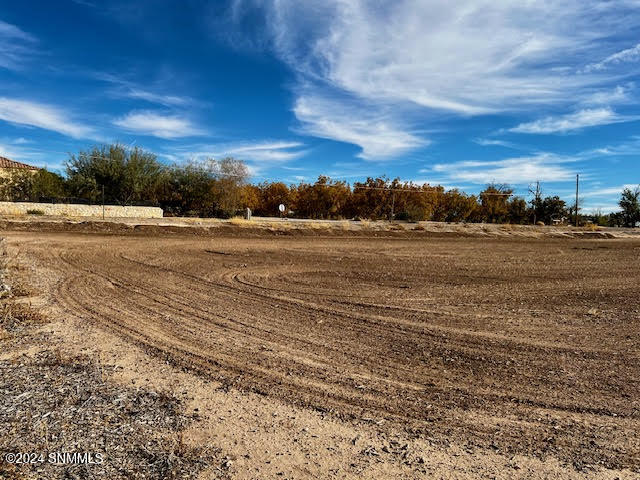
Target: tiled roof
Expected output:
[6,163]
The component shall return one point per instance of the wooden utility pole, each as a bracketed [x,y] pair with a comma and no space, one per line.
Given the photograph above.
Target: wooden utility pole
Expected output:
[103,202]
[577,182]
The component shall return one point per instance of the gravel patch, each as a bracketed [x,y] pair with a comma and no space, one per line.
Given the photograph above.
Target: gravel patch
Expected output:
[61,416]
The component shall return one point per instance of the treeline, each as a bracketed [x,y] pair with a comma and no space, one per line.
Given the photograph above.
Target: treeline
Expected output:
[116,175]
[220,188]
[381,198]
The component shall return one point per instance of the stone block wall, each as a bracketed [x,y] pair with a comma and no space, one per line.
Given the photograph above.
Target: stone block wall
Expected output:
[77,210]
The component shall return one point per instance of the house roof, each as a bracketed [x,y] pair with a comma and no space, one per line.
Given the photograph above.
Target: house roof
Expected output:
[7,163]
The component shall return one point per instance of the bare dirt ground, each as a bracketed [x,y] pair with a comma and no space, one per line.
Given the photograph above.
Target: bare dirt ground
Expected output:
[363,356]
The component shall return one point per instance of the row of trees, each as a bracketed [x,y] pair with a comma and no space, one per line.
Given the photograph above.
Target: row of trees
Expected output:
[117,175]
[381,198]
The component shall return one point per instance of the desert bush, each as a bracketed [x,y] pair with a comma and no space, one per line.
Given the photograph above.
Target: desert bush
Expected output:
[35,211]
[592,227]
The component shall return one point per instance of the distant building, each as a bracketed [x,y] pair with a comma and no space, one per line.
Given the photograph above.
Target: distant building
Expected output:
[9,167]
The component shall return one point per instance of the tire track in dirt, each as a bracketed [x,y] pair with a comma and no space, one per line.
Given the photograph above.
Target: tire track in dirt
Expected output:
[441,372]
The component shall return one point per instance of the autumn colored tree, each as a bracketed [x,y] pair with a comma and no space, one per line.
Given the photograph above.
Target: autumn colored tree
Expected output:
[494,202]
[458,206]
[372,198]
[325,198]
[273,194]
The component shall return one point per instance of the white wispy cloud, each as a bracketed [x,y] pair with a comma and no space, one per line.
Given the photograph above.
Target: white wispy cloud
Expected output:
[15,149]
[488,142]
[589,117]
[624,56]
[434,55]
[608,191]
[15,46]
[9,149]
[34,114]
[544,167]
[379,137]
[603,199]
[162,99]
[277,151]
[258,153]
[630,147]
[619,94]
[156,124]
[124,88]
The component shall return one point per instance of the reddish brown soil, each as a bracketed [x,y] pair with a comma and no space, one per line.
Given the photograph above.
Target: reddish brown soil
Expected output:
[518,346]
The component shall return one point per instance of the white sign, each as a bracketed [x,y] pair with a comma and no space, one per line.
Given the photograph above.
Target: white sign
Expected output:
[281,207]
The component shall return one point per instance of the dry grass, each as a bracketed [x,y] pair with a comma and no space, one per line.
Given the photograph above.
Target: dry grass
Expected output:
[321,225]
[240,221]
[275,225]
[19,289]
[14,316]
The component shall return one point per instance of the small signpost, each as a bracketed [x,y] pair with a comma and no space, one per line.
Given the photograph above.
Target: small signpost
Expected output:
[282,208]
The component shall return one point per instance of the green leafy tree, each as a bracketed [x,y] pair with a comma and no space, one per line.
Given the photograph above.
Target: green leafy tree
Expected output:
[630,205]
[552,208]
[30,186]
[17,186]
[517,210]
[47,184]
[127,176]
[186,191]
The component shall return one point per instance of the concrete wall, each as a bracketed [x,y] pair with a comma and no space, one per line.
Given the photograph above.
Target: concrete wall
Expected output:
[75,210]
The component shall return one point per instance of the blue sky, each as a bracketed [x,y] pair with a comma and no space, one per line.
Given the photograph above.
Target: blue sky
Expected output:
[454,93]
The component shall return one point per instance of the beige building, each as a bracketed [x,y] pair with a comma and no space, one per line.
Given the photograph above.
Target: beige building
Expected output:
[9,167]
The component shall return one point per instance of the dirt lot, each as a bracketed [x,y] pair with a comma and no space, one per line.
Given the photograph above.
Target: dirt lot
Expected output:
[365,357]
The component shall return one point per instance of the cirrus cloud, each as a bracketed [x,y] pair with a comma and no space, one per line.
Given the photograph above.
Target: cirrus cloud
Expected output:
[156,124]
[544,167]
[589,117]
[401,56]
[49,117]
